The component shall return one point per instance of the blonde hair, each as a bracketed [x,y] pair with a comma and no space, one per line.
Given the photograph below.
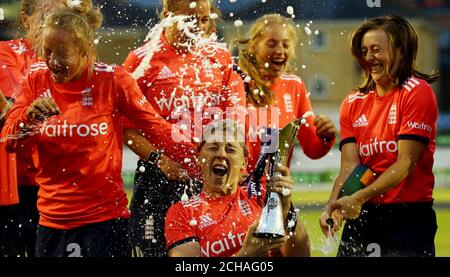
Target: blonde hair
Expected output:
[230,130]
[178,5]
[81,21]
[37,11]
[28,7]
[247,55]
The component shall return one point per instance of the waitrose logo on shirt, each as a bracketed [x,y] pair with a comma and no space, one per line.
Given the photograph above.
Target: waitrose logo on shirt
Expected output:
[71,130]
[420,126]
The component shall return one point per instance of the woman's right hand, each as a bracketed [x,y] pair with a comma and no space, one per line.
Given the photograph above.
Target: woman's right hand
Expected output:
[172,169]
[42,108]
[258,247]
[337,218]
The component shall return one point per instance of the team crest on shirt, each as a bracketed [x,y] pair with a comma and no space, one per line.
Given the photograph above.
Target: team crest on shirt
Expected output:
[288,103]
[392,118]
[86,97]
[244,207]
[207,68]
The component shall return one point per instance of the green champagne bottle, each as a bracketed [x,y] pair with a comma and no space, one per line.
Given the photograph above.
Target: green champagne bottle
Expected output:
[361,177]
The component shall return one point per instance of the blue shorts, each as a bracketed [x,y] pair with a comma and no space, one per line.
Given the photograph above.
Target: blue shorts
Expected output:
[18,225]
[104,239]
[391,230]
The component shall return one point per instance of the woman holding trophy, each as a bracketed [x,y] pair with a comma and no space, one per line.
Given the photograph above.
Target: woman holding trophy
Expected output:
[222,219]
[389,125]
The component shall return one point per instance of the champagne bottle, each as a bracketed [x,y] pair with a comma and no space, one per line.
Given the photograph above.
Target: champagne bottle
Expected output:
[361,177]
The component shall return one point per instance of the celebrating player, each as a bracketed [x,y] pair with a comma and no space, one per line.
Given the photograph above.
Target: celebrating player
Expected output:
[265,57]
[182,74]
[74,106]
[221,220]
[388,124]
[18,237]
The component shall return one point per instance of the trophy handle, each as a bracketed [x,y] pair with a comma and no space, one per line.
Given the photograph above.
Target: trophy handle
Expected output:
[271,223]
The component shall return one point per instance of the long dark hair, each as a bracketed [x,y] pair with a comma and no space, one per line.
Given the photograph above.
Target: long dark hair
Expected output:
[401,36]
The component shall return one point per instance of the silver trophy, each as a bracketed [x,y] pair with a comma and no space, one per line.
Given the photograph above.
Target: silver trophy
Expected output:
[271,223]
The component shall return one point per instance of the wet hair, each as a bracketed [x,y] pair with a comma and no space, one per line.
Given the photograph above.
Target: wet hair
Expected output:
[247,55]
[81,21]
[401,36]
[179,5]
[231,129]
[28,7]
[38,10]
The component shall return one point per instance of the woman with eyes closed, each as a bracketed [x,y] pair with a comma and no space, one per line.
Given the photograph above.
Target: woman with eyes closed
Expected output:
[266,56]
[388,124]
[182,76]
[220,221]
[73,107]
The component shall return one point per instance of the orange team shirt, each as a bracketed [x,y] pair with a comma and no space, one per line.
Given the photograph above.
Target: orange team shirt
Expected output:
[377,123]
[187,82]
[292,102]
[218,224]
[16,57]
[80,151]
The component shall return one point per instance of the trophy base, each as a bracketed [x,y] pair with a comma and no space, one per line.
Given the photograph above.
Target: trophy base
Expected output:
[268,235]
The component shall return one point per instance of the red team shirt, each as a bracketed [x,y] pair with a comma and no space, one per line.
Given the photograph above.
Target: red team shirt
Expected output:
[185,82]
[80,151]
[218,224]
[15,58]
[292,102]
[377,123]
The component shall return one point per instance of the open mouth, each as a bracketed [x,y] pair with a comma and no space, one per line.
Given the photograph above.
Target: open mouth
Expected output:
[219,171]
[278,64]
[58,73]
[376,68]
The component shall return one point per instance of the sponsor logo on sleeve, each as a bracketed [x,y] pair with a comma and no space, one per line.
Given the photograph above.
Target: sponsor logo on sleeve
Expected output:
[419,126]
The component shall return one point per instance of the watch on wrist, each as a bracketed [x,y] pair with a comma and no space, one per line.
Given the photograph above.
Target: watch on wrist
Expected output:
[154,157]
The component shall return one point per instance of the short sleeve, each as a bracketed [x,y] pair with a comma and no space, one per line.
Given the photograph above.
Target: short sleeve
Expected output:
[418,113]
[177,228]
[345,122]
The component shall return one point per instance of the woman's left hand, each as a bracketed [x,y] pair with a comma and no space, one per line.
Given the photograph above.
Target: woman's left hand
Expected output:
[325,127]
[282,183]
[350,206]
